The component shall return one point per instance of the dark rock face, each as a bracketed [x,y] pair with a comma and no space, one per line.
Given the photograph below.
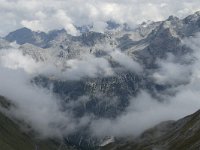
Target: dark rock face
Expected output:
[112,25]
[107,97]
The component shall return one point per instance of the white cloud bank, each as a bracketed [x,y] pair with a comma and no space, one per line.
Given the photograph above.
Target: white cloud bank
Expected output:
[46,15]
[36,106]
[73,69]
[126,62]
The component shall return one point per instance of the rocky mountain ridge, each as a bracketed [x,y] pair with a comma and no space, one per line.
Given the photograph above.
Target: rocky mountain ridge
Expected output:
[107,96]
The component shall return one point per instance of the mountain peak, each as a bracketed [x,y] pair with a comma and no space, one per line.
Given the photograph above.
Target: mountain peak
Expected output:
[21,36]
[172,18]
[192,18]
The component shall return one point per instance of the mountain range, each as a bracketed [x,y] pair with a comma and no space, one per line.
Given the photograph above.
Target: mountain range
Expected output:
[99,72]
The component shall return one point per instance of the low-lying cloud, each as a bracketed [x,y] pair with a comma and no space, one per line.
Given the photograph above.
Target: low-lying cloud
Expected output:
[36,106]
[145,111]
[73,69]
[172,72]
[126,62]
[44,111]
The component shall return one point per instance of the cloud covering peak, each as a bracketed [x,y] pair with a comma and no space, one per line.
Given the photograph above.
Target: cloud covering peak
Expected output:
[46,15]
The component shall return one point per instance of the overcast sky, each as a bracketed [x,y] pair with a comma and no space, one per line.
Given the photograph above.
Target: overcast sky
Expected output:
[46,15]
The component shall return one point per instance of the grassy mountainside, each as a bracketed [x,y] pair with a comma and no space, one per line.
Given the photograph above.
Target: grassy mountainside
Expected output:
[12,138]
[183,134]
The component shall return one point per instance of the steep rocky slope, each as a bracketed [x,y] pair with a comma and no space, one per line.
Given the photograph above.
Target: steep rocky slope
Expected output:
[170,135]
